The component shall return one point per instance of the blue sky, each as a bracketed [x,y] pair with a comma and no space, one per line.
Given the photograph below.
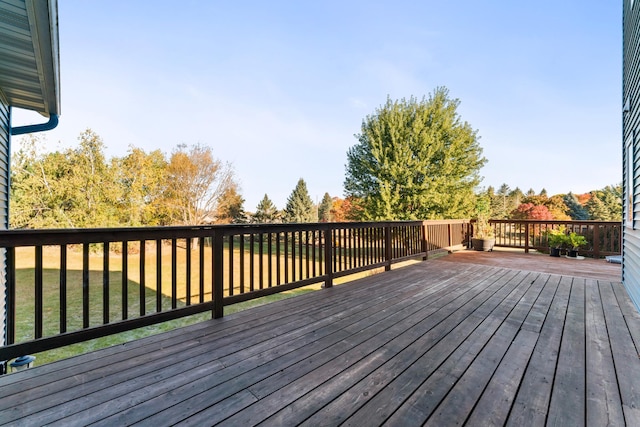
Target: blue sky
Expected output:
[279,88]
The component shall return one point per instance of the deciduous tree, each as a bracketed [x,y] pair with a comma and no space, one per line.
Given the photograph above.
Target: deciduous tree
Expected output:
[230,209]
[141,177]
[196,181]
[531,211]
[74,188]
[415,160]
[342,209]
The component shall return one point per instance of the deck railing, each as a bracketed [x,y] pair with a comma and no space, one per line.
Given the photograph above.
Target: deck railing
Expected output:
[603,237]
[69,286]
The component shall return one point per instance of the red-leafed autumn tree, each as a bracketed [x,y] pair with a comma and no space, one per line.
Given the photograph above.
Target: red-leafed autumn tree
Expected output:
[531,211]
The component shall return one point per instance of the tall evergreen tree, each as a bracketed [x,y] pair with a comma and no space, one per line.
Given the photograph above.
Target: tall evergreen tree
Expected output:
[516,196]
[415,160]
[266,212]
[503,203]
[575,209]
[324,209]
[597,210]
[300,207]
[611,197]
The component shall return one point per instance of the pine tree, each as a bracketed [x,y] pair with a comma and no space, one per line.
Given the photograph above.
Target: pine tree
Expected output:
[266,212]
[575,209]
[611,197]
[597,209]
[300,207]
[324,209]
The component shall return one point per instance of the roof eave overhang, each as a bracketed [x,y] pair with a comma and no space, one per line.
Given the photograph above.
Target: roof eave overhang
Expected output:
[30,71]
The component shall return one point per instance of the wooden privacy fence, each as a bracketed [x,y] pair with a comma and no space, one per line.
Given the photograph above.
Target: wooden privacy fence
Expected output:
[69,286]
[603,237]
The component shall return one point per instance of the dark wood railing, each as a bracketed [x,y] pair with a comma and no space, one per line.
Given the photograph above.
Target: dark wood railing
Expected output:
[69,286]
[603,237]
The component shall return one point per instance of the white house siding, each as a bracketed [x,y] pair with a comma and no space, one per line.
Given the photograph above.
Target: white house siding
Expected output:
[631,148]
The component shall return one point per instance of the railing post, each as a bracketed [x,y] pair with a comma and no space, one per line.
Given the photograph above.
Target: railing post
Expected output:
[387,247]
[218,275]
[526,238]
[328,257]
[425,243]
[596,241]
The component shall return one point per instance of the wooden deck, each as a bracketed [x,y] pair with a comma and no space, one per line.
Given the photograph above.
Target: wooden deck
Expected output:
[439,343]
[516,259]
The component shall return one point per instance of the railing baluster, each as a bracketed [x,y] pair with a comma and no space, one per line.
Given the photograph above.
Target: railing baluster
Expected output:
[174,273]
[231,269]
[125,280]
[278,258]
[251,263]
[261,260]
[294,236]
[11,295]
[85,285]
[300,255]
[106,309]
[39,304]
[313,252]
[63,289]
[270,259]
[357,247]
[286,257]
[321,259]
[241,255]
[387,245]
[218,275]
[143,278]
[201,270]
[306,236]
[188,270]
[158,276]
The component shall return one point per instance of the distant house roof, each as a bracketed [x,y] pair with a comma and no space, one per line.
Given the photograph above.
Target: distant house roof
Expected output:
[29,55]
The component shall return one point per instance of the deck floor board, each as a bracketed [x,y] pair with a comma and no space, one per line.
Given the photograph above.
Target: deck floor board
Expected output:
[452,341]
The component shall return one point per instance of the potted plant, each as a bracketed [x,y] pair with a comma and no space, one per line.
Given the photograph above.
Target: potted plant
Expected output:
[557,239]
[575,241]
[483,237]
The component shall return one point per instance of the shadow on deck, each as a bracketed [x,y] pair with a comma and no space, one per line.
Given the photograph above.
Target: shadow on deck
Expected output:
[445,342]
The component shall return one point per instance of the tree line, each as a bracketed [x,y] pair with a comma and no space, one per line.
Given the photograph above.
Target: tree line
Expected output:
[80,187]
[604,204]
[414,159]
